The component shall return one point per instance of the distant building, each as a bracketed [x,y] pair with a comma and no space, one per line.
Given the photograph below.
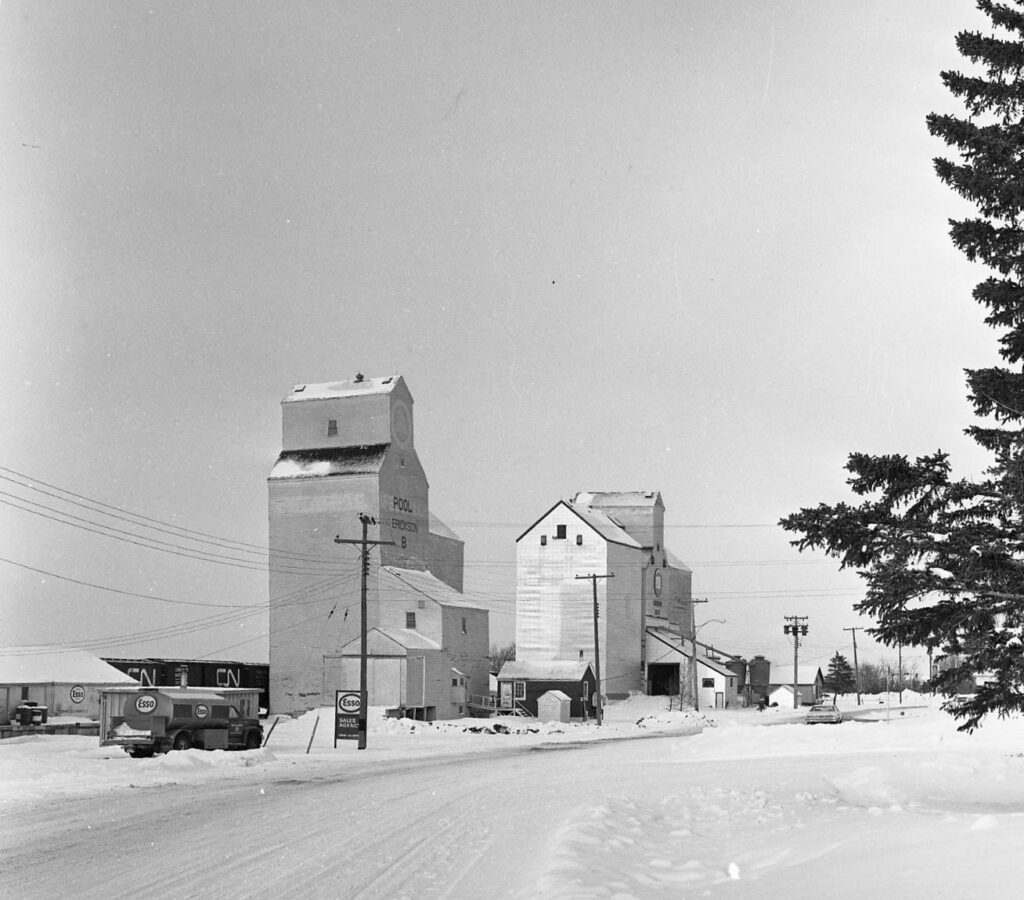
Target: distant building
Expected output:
[810,682]
[348,450]
[645,611]
[521,685]
[66,681]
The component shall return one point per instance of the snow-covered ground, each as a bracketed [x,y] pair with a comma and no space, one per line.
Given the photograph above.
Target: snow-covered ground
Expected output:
[894,802]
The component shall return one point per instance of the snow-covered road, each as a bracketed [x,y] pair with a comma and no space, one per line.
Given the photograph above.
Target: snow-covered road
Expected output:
[902,809]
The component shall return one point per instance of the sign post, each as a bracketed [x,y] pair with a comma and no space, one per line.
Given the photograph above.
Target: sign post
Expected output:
[348,710]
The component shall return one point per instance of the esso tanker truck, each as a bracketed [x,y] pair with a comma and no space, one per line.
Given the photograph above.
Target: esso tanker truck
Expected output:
[154,720]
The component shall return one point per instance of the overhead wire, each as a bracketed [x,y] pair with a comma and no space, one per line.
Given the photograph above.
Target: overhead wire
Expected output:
[170,528]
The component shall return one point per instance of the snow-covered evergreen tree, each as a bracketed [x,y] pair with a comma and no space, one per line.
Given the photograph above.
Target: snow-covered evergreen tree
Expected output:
[943,558]
[840,678]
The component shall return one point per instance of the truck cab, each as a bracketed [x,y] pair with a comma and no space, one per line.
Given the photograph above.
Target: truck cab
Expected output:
[154,720]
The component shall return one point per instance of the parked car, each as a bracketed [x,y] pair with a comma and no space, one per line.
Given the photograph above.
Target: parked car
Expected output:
[824,713]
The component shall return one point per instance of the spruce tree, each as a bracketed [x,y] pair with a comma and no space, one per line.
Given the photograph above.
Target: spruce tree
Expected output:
[840,679]
[943,558]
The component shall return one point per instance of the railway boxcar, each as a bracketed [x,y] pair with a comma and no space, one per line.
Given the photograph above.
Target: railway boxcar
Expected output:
[157,672]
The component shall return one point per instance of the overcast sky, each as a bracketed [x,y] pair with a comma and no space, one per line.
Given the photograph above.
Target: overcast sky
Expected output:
[690,247]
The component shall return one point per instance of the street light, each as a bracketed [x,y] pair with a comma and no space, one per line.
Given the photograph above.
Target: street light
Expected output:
[696,631]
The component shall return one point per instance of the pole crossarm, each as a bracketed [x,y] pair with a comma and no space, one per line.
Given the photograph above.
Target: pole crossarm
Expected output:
[797,625]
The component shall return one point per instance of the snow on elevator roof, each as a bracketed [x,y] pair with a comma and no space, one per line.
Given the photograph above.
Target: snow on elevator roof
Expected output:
[604,524]
[357,387]
[617,498]
[56,665]
[329,461]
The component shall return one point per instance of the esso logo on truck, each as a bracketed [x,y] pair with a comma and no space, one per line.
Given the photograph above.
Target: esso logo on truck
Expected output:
[145,704]
[202,711]
[77,694]
[349,703]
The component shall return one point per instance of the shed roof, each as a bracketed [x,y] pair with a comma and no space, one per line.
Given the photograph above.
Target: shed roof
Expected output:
[544,670]
[405,638]
[329,461]
[675,562]
[440,529]
[555,694]
[424,584]
[358,386]
[57,665]
[783,675]
[715,666]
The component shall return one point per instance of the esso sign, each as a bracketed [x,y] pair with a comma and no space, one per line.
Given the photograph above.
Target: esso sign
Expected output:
[349,703]
[202,711]
[77,694]
[145,704]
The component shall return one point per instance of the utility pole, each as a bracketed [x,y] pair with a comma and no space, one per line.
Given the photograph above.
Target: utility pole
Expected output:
[900,658]
[599,710]
[796,627]
[693,666]
[365,544]
[856,668]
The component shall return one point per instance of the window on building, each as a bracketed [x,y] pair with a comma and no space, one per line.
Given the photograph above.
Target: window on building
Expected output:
[455,682]
[559,532]
[543,540]
[707,682]
[422,604]
[579,540]
[520,690]
[410,620]
[332,427]
[463,624]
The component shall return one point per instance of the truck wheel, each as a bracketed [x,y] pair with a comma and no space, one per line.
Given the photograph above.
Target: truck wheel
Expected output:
[182,741]
[253,741]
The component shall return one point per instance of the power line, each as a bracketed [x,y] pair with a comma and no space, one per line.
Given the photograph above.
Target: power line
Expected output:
[113,590]
[150,543]
[90,503]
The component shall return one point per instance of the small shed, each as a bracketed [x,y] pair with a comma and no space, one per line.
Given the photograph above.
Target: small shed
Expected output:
[716,684]
[521,684]
[810,683]
[67,681]
[782,697]
[554,706]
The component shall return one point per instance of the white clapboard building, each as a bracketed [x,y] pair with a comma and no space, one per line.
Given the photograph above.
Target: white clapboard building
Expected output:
[645,616]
